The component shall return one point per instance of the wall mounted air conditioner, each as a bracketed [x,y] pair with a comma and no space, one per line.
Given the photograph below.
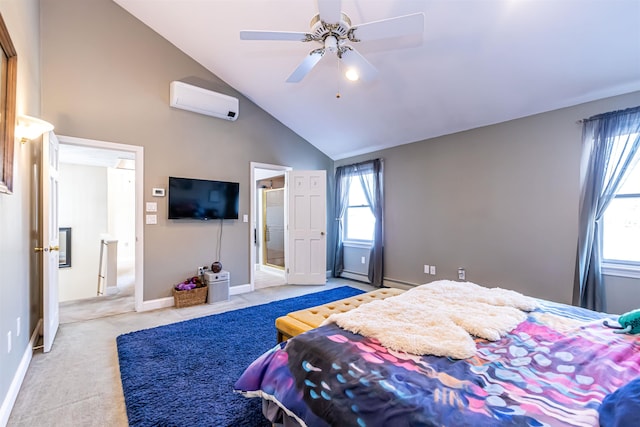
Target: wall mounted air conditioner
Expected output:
[202,101]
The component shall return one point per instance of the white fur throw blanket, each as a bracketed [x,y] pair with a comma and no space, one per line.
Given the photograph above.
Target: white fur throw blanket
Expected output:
[438,318]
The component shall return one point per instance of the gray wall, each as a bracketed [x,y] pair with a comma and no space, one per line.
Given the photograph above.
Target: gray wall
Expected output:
[106,77]
[19,288]
[500,201]
[622,293]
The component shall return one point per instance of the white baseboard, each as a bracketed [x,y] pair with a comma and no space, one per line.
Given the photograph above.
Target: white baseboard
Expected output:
[18,378]
[241,289]
[386,281]
[155,304]
[355,276]
[392,283]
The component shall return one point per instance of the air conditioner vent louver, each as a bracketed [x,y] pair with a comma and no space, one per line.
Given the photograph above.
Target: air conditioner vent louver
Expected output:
[202,101]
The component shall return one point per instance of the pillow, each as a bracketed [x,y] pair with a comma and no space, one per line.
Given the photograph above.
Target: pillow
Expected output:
[621,408]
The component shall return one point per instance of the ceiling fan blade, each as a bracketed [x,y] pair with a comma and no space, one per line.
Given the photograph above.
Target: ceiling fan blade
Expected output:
[387,28]
[272,35]
[351,58]
[329,11]
[305,66]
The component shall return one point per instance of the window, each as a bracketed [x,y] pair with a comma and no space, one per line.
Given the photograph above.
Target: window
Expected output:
[621,224]
[359,221]
[359,211]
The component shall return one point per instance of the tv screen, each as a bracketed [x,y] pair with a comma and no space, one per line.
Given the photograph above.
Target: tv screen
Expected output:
[203,199]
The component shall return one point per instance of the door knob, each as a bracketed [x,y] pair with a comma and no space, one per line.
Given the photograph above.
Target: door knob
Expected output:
[41,249]
[54,248]
[322,233]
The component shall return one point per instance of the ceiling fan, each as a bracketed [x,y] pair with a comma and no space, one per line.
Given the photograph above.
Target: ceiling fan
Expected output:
[332,29]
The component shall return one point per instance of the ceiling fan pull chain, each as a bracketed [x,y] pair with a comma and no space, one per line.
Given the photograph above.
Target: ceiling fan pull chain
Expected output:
[339,75]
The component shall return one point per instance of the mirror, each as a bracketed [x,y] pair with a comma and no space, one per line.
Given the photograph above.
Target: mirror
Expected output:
[65,247]
[273,233]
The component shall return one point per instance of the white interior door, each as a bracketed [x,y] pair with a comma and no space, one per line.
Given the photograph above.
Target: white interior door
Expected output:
[50,238]
[306,239]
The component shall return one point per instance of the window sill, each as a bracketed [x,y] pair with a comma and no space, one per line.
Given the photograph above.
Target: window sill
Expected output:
[621,270]
[355,244]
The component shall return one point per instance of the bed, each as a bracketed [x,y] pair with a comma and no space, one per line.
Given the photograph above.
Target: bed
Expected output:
[555,368]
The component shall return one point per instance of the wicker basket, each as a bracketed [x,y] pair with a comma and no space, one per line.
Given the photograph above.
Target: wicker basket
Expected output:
[191,297]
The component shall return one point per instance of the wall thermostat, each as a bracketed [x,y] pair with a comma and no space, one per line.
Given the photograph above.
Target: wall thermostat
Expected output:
[158,192]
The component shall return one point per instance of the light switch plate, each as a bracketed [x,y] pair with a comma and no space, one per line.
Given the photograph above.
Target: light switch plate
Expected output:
[152,219]
[152,207]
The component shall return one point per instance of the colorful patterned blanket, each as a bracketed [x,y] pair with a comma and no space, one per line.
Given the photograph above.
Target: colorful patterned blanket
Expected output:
[554,369]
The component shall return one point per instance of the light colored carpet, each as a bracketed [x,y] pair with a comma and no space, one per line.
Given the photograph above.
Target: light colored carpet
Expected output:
[78,382]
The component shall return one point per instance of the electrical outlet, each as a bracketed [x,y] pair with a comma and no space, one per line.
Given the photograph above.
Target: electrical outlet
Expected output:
[461,274]
[363,260]
[9,342]
[432,270]
[426,269]
[201,270]
[17,326]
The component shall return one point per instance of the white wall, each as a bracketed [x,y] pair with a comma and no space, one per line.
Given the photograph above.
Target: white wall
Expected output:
[121,199]
[83,207]
[95,201]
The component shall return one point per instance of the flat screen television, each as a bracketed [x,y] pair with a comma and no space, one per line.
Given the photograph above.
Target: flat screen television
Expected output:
[203,199]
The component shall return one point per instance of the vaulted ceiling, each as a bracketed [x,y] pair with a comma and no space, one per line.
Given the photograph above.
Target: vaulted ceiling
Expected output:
[477,62]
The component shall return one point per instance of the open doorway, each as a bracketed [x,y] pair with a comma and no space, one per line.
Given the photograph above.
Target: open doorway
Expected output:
[267,267]
[100,206]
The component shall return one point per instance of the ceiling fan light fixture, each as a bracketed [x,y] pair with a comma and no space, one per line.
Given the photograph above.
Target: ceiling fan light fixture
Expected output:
[332,29]
[352,74]
[331,43]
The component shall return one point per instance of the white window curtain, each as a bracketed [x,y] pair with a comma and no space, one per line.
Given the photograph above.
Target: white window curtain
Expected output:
[374,193]
[611,147]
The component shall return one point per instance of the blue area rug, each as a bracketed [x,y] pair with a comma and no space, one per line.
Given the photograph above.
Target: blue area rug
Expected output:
[183,374]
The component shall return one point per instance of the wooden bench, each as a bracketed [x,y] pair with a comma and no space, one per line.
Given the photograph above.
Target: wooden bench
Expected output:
[301,321]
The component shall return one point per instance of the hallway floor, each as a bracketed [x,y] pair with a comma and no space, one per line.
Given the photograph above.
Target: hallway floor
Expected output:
[96,307]
[267,278]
